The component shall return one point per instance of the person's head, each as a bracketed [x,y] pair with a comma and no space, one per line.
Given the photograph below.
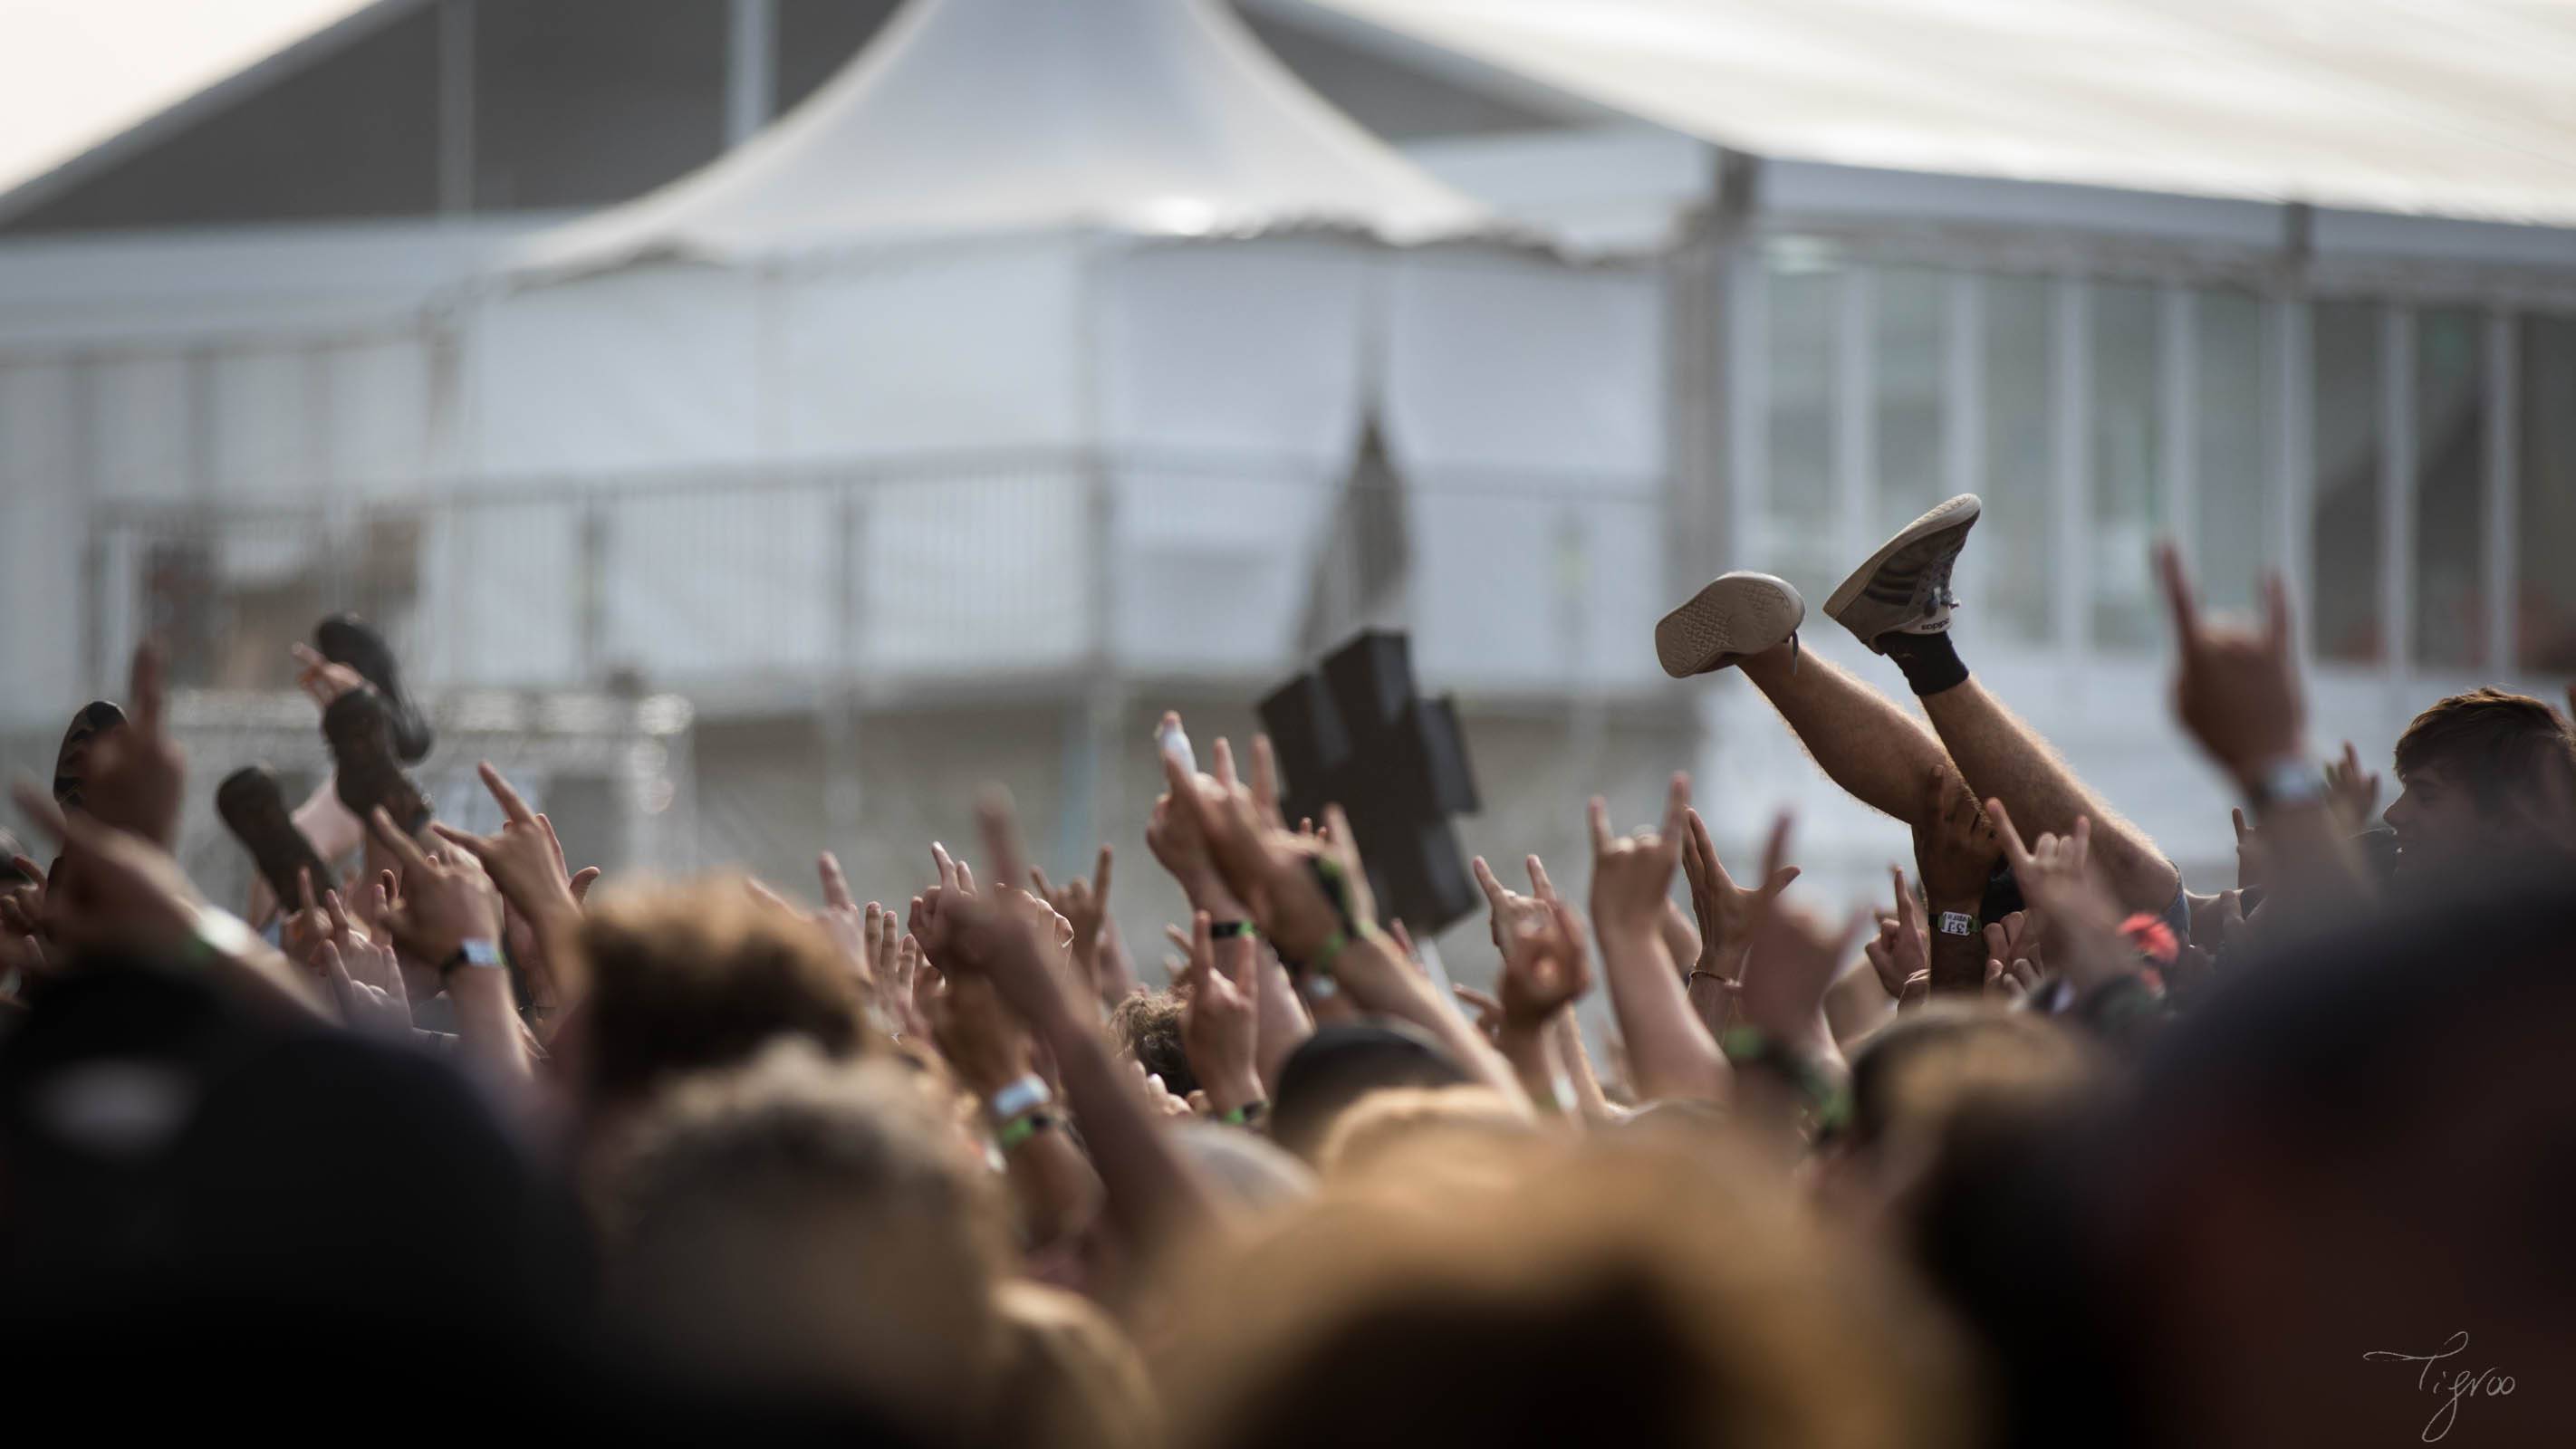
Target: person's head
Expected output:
[1147,1026]
[813,1228]
[698,976]
[1070,1379]
[1616,1292]
[2482,776]
[1924,1076]
[1412,1138]
[1338,1065]
[1253,1174]
[2360,1145]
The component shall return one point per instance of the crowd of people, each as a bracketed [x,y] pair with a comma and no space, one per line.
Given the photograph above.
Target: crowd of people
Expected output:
[2046,1146]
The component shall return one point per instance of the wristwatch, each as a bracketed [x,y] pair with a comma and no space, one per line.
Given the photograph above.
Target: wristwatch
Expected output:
[2289,781]
[471,952]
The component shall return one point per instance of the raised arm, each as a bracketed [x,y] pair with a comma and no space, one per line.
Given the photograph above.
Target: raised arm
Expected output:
[1670,1051]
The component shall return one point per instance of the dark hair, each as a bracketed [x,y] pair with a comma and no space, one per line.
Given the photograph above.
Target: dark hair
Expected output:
[2499,744]
[1340,1064]
[1148,1023]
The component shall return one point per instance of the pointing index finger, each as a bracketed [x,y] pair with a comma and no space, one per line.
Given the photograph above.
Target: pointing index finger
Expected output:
[2014,850]
[404,848]
[836,886]
[1676,809]
[2186,615]
[511,805]
[1000,822]
[146,687]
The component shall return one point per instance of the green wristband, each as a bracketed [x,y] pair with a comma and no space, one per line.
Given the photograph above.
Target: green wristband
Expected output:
[1021,1128]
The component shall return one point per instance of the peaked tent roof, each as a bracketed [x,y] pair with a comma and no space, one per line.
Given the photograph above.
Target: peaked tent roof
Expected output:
[2460,108]
[1149,116]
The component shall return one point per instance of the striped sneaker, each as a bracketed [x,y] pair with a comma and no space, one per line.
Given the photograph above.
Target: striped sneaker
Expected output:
[1905,586]
[1740,614]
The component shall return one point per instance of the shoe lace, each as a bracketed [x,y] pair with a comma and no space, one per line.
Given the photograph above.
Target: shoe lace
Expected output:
[1933,589]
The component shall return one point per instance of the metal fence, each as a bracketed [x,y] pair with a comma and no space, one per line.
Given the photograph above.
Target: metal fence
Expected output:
[952,571]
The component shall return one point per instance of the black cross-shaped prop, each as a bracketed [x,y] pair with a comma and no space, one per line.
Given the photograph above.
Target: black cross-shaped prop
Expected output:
[1353,733]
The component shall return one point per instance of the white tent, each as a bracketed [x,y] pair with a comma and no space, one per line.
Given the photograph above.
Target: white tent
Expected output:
[1139,116]
[1051,328]
[2458,109]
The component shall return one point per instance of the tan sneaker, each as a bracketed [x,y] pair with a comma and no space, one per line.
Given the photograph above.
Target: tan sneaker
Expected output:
[1739,614]
[1905,586]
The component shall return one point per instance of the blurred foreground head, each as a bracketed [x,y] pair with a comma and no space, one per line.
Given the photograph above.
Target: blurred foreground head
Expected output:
[1647,1292]
[812,1229]
[2364,1145]
[1941,1072]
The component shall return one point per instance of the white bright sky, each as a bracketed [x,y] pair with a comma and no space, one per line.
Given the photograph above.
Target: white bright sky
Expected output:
[75,72]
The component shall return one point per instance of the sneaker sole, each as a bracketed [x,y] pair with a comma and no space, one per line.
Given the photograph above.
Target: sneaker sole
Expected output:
[1738,614]
[1959,512]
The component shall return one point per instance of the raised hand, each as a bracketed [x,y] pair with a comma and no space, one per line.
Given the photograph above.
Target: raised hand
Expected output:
[114,888]
[1508,911]
[1220,1025]
[136,774]
[1633,874]
[1725,909]
[365,976]
[850,928]
[2353,791]
[1269,869]
[2249,851]
[1173,835]
[442,906]
[1545,967]
[524,858]
[1900,949]
[2012,951]
[2236,690]
[1084,904]
[2056,877]
[1794,959]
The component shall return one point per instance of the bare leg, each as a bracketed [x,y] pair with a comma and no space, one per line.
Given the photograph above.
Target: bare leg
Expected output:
[2005,759]
[1865,742]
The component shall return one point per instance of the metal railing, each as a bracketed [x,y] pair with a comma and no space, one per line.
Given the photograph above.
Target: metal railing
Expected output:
[951,571]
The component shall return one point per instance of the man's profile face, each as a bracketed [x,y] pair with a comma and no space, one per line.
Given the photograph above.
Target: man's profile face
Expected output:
[2437,820]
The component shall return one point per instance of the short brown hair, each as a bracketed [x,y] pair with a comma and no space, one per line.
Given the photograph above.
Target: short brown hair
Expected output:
[2498,744]
[701,975]
[810,1226]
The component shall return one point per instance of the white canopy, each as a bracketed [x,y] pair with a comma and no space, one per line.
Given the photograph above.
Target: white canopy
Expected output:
[2458,108]
[1157,117]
